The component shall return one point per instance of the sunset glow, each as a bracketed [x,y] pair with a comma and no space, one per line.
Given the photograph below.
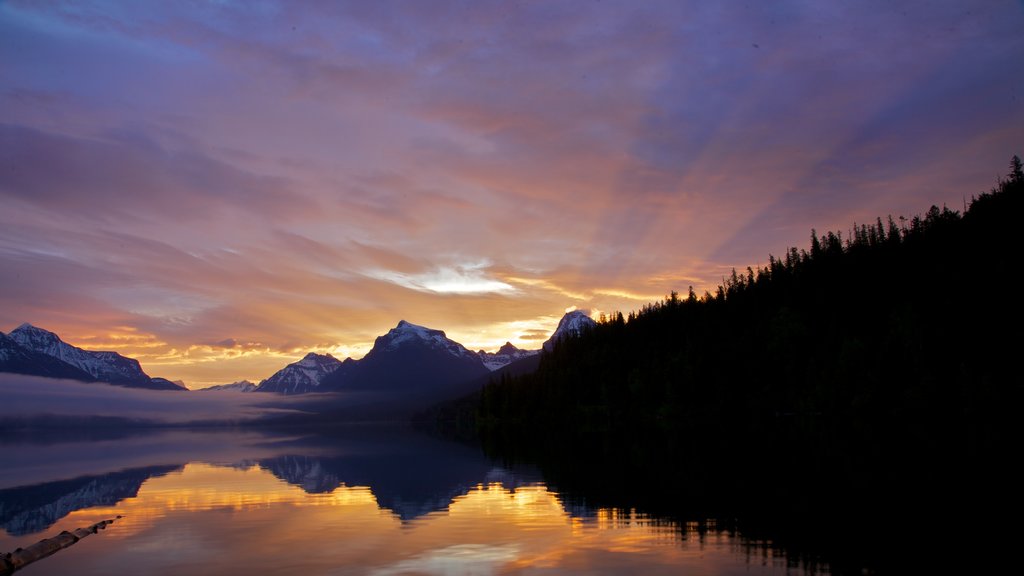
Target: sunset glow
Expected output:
[217,190]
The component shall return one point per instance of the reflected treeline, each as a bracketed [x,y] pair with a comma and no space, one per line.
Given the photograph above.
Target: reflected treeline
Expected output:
[776,492]
[859,394]
[30,509]
[892,328]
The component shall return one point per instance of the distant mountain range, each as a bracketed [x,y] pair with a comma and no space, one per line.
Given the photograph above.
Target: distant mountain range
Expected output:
[240,386]
[412,360]
[36,352]
[505,355]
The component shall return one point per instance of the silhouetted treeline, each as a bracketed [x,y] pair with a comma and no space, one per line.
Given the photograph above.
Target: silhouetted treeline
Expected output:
[856,403]
[893,325]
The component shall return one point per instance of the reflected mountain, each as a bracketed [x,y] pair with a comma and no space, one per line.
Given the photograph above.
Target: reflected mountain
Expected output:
[30,509]
[410,473]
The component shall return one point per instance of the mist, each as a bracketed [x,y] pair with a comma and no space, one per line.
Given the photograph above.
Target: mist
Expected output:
[29,397]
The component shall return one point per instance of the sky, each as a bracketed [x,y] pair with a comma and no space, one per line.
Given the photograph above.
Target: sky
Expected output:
[217,188]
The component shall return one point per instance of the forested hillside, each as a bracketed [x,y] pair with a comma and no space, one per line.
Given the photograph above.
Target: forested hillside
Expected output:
[857,401]
[892,325]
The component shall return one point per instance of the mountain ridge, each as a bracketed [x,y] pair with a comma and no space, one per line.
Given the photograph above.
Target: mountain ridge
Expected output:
[43,353]
[302,376]
[409,357]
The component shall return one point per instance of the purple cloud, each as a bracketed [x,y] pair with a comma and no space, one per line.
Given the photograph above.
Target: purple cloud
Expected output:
[299,176]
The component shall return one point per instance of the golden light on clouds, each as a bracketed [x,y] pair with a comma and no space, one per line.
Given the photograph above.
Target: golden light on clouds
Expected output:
[305,192]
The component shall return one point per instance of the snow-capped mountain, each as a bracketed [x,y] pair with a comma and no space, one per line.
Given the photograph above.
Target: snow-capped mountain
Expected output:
[407,333]
[505,355]
[240,386]
[109,367]
[411,358]
[571,325]
[17,359]
[303,376]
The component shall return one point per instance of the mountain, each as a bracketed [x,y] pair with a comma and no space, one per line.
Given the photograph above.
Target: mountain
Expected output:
[240,386]
[303,376]
[108,367]
[572,324]
[17,359]
[413,359]
[166,384]
[505,355]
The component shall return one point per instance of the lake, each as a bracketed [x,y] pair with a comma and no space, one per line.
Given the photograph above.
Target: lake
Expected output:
[361,500]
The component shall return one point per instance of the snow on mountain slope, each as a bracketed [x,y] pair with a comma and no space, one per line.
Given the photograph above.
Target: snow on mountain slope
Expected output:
[407,332]
[301,377]
[505,355]
[109,367]
[240,386]
[16,359]
[48,343]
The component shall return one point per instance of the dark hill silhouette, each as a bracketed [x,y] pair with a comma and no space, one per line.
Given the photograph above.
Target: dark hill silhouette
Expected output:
[857,398]
[892,326]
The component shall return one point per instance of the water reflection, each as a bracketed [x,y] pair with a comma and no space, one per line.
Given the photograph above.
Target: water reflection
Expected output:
[32,509]
[363,501]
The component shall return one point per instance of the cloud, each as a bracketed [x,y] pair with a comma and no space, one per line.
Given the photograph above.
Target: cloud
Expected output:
[110,178]
[464,278]
[299,177]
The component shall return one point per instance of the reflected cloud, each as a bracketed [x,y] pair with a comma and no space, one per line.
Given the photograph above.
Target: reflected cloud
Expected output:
[261,503]
[457,559]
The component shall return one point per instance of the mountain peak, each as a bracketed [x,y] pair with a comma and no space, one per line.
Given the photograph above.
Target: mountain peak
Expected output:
[505,355]
[35,338]
[109,367]
[302,376]
[407,332]
[508,348]
[314,360]
[240,386]
[27,328]
[406,327]
[572,324]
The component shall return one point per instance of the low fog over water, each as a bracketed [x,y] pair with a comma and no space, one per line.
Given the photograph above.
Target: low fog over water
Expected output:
[32,397]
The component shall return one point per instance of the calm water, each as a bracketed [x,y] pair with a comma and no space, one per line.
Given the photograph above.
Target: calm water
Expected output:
[365,501]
